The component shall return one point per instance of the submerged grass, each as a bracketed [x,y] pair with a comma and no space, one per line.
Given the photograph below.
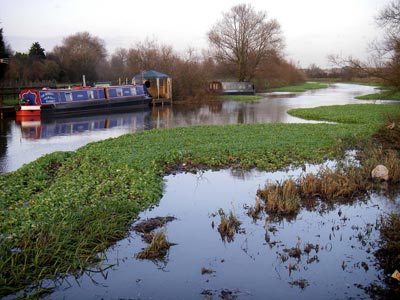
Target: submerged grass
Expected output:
[58,212]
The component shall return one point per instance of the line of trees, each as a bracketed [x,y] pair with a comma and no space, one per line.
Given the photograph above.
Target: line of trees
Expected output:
[244,46]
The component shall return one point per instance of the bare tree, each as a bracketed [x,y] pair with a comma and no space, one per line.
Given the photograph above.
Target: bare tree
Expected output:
[384,62]
[81,54]
[243,38]
[389,17]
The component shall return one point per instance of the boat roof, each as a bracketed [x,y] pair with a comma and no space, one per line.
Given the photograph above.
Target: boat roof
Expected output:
[151,74]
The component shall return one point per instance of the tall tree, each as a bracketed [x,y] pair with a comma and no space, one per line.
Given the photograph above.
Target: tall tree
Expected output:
[81,54]
[37,52]
[243,38]
[3,54]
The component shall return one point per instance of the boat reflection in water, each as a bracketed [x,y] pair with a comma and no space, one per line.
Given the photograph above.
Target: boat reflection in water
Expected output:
[39,127]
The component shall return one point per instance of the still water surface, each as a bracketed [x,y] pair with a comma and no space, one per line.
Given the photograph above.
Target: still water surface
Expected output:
[343,240]
[23,142]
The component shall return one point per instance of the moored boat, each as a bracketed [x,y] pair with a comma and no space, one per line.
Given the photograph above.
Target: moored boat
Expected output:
[36,102]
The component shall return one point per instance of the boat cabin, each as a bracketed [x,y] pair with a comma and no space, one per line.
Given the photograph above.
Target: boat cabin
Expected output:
[231,88]
[158,85]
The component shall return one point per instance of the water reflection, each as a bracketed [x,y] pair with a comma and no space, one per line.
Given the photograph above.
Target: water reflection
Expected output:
[45,128]
[335,245]
[22,142]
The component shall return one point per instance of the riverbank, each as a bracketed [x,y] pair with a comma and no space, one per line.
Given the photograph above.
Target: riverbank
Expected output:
[57,216]
[383,95]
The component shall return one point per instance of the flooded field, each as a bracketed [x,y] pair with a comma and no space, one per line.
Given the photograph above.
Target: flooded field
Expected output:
[325,251]
[322,253]
[23,142]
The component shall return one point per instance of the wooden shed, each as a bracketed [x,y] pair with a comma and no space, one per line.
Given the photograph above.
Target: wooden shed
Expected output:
[160,85]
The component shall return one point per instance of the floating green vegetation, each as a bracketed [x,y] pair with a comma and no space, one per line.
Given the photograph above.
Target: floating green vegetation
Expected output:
[302,87]
[242,98]
[384,95]
[348,114]
[59,212]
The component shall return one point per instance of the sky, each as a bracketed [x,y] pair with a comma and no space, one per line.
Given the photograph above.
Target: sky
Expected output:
[312,29]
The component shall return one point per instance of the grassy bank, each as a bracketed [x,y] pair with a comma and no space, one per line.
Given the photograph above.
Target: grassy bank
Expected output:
[59,212]
[348,114]
[384,95]
[302,87]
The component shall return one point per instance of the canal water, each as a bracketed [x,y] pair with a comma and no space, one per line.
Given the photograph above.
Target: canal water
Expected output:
[336,242]
[336,246]
[23,142]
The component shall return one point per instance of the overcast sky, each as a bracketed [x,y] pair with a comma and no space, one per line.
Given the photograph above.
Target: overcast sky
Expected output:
[312,29]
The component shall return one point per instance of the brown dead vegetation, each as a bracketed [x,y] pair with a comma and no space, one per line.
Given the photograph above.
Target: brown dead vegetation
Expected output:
[157,249]
[345,182]
[229,226]
[149,225]
[158,244]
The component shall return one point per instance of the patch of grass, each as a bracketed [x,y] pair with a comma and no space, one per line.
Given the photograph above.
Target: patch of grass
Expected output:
[241,98]
[58,212]
[372,114]
[384,95]
[301,87]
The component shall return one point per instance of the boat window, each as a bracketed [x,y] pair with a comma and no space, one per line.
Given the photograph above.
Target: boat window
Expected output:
[133,91]
[91,94]
[119,92]
[68,96]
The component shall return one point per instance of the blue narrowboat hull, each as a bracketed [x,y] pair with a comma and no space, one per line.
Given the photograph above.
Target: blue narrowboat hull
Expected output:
[80,100]
[94,106]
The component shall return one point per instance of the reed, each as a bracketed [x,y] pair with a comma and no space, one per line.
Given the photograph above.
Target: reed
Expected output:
[157,249]
[280,199]
[310,185]
[228,226]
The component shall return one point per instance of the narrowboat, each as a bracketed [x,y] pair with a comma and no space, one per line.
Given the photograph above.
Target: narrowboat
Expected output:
[231,88]
[37,102]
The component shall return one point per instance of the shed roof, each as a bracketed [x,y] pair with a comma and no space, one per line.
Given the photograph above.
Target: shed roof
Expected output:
[150,74]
